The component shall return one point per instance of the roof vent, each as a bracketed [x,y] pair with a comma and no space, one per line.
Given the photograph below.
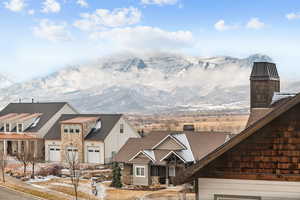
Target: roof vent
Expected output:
[188,127]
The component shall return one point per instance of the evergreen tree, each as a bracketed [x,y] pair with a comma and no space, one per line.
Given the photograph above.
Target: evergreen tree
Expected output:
[116,179]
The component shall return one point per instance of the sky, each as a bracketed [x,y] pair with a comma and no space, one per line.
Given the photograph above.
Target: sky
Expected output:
[38,37]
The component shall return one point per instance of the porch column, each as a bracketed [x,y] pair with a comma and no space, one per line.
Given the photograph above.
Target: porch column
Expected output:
[5,148]
[35,148]
[167,175]
[27,146]
[19,146]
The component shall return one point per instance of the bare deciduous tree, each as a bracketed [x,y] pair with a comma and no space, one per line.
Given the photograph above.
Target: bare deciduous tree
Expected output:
[33,159]
[3,163]
[71,155]
[24,157]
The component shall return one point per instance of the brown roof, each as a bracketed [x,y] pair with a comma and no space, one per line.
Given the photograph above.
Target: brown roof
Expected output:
[256,114]
[281,108]
[79,120]
[201,143]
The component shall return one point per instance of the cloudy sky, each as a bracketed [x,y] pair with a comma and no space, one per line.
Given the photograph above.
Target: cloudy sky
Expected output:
[40,36]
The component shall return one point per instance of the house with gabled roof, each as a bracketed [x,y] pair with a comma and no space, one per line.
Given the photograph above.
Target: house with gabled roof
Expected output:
[159,156]
[263,161]
[92,138]
[25,125]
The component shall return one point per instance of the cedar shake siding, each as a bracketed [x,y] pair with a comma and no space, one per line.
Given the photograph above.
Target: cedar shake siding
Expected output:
[271,153]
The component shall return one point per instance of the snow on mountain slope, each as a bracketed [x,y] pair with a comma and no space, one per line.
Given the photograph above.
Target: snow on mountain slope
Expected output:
[152,83]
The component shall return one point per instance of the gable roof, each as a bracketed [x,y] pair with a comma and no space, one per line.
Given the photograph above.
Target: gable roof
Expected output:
[250,130]
[47,110]
[198,144]
[108,121]
[169,136]
[264,71]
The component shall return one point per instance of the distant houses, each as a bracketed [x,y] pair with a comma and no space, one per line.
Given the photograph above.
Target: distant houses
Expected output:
[263,161]
[52,130]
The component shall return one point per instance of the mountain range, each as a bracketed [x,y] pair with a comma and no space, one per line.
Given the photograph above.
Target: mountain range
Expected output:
[143,84]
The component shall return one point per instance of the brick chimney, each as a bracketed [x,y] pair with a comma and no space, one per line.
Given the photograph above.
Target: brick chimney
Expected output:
[264,82]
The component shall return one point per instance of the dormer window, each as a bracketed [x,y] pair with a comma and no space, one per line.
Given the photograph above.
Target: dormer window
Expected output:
[19,128]
[121,128]
[7,127]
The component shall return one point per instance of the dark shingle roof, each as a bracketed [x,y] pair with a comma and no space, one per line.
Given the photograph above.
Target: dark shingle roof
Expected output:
[108,121]
[264,71]
[47,110]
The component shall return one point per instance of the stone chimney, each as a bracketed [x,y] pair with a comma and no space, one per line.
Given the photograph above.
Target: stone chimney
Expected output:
[264,82]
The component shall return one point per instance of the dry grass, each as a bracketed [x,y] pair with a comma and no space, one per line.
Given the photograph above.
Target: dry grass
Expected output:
[116,194]
[33,192]
[70,191]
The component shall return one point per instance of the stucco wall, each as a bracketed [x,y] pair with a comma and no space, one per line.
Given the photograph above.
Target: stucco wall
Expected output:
[115,140]
[266,190]
[99,144]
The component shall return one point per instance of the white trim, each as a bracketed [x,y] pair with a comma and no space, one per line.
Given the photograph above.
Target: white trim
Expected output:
[141,167]
[174,168]
[178,142]
[142,153]
[174,154]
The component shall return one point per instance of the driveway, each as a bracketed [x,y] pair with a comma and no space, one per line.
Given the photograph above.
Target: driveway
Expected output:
[6,194]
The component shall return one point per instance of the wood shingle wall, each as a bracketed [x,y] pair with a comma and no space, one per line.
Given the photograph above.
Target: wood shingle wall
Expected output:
[272,153]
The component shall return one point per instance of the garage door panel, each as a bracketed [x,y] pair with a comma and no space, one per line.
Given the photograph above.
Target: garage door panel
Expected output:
[93,155]
[54,154]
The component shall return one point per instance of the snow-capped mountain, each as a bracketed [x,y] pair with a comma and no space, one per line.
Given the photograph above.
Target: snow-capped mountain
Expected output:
[152,83]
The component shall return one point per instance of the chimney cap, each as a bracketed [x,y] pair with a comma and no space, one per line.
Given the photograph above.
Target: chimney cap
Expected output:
[264,71]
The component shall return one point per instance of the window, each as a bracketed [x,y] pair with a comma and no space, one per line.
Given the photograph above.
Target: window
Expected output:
[77,130]
[66,130]
[71,130]
[172,171]
[7,127]
[20,128]
[121,128]
[140,171]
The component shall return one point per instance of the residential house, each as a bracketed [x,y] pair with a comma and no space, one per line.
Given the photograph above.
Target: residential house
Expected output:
[25,125]
[92,138]
[157,157]
[263,161]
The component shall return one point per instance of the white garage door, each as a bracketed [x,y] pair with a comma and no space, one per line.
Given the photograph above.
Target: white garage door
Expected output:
[93,155]
[54,153]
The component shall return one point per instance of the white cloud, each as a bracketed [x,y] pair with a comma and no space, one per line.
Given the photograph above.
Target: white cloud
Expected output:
[31,12]
[51,6]
[82,3]
[52,31]
[221,26]
[105,18]
[292,16]
[145,37]
[160,2]
[15,5]
[255,23]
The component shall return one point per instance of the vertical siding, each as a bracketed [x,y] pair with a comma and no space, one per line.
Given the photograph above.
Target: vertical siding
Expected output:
[267,190]
[115,140]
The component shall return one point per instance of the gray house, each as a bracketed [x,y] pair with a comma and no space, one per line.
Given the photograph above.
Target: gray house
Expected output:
[159,156]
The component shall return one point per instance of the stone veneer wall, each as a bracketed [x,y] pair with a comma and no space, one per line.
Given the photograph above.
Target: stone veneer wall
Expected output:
[126,174]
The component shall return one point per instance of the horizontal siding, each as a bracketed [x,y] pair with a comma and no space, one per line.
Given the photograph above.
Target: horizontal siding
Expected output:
[267,190]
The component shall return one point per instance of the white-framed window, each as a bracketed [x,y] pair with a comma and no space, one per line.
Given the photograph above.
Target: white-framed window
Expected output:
[139,171]
[7,127]
[172,171]
[121,128]
[72,153]
[19,128]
